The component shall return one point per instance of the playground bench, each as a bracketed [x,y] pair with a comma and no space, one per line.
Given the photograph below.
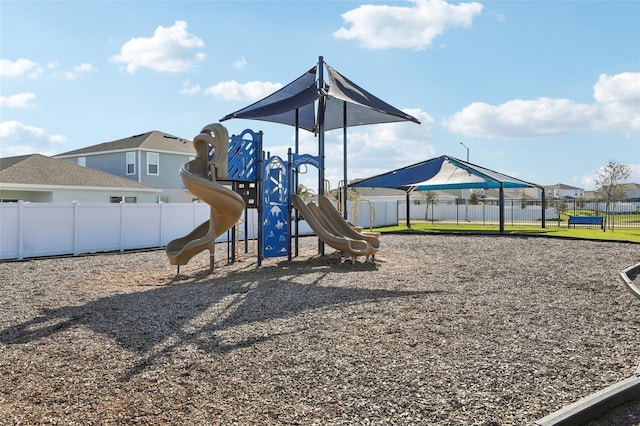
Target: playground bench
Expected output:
[586,220]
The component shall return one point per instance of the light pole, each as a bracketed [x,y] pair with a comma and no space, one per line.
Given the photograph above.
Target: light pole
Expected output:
[467,150]
[466,201]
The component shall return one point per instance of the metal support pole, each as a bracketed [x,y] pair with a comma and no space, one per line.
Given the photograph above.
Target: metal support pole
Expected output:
[321,107]
[501,207]
[408,212]
[295,186]
[344,154]
[260,196]
[289,208]
[544,210]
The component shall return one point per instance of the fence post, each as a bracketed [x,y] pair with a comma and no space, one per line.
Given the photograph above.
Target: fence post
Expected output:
[160,233]
[20,230]
[121,226]
[76,236]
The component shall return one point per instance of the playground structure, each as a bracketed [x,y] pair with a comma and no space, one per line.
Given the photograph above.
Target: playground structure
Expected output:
[261,183]
[313,104]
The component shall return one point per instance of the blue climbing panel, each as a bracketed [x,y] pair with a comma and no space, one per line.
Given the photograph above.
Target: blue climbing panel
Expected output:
[243,156]
[275,234]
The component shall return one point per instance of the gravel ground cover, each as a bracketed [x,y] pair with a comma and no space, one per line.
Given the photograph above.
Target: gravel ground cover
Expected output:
[441,329]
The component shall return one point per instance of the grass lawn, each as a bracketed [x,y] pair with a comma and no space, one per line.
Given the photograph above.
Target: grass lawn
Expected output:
[590,233]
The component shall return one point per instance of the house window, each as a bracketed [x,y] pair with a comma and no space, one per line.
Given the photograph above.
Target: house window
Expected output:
[123,199]
[131,163]
[82,161]
[153,160]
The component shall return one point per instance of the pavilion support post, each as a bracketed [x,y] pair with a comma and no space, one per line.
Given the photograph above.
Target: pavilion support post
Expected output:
[321,108]
[544,209]
[408,212]
[295,186]
[501,208]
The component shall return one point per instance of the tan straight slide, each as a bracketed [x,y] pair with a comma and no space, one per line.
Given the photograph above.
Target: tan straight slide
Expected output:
[327,231]
[343,226]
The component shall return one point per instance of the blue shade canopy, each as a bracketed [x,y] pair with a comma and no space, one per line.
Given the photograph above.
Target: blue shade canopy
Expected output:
[442,173]
[361,106]
[342,99]
[296,98]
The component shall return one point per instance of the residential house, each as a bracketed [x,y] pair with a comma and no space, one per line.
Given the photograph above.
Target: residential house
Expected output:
[631,192]
[489,196]
[560,190]
[390,194]
[38,178]
[153,158]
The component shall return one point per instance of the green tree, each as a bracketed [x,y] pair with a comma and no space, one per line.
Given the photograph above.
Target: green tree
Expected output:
[608,183]
[305,193]
[474,199]
[430,197]
[352,194]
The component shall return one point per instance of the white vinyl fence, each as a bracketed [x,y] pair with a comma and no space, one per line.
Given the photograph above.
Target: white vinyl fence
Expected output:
[475,213]
[49,229]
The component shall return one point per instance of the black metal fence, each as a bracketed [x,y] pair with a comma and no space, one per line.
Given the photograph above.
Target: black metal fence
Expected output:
[522,212]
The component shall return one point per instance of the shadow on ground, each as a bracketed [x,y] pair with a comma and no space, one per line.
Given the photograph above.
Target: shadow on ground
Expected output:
[157,321]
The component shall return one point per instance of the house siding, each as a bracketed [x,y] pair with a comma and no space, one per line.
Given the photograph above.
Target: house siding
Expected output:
[69,195]
[632,191]
[168,176]
[101,196]
[31,196]
[177,196]
[114,163]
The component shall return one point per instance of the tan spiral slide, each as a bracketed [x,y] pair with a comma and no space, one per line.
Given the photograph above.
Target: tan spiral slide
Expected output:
[226,205]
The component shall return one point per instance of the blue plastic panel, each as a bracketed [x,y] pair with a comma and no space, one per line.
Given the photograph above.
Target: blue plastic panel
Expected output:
[243,156]
[275,234]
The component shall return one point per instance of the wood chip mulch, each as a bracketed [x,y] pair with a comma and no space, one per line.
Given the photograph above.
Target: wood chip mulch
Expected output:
[440,329]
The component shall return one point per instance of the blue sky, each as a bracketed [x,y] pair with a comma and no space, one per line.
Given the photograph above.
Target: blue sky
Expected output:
[545,91]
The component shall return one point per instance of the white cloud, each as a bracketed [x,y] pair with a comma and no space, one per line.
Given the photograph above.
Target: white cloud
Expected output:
[21,139]
[189,89]
[619,96]
[616,108]
[20,100]
[75,71]
[240,64]
[19,68]
[235,91]
[171,49]
[635,173]
[415,27]
[371,149]
[522,118]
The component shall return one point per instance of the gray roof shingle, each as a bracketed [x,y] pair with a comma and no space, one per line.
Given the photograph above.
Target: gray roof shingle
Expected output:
[37,169]
[153,140]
